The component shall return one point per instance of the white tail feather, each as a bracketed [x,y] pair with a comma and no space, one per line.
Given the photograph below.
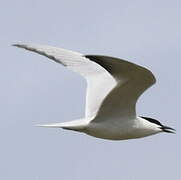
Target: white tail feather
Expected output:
[77,125]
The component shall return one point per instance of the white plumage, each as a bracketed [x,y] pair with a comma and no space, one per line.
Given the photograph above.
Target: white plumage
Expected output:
[113,87]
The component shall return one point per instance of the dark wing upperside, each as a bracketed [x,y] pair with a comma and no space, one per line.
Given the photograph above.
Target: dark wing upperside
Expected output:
[132,81]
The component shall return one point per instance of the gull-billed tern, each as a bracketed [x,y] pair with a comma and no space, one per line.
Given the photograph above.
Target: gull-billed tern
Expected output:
[113,88]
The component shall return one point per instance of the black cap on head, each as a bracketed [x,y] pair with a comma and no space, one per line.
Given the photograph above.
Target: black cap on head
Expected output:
[163,128]
[152,120]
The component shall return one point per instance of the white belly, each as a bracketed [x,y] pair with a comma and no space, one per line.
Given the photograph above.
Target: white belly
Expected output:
[126,130]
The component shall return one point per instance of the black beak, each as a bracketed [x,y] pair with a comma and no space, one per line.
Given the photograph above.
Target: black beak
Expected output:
[167,129]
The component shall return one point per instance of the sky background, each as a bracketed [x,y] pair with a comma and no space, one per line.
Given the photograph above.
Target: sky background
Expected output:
[35,90]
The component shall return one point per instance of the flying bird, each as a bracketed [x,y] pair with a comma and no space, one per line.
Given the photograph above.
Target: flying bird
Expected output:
[113,88]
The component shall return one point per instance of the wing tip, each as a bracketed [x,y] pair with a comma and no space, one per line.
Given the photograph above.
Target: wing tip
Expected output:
[15,45]
[19,45]
[30,47]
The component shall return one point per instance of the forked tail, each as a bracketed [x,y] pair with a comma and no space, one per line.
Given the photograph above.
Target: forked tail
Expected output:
[76,125]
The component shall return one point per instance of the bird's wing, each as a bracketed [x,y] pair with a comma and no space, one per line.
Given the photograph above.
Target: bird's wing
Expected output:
[99,80]
[132,81]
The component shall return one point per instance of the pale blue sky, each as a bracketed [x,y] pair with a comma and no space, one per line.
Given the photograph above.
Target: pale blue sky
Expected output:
[35,90]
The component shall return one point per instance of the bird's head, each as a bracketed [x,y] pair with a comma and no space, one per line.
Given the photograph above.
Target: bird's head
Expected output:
[160,126]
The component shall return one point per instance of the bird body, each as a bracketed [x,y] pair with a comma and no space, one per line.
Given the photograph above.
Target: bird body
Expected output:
[113,130]
[113,87]
[128,129]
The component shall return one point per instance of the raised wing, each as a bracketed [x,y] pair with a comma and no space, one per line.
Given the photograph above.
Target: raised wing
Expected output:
[99,80]
[132,81]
